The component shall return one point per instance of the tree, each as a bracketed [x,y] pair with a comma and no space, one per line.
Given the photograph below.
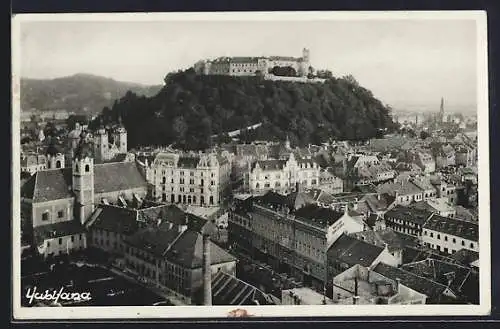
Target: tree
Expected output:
[424,134]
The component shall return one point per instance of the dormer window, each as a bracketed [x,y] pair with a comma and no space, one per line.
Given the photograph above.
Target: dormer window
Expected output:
[87,168]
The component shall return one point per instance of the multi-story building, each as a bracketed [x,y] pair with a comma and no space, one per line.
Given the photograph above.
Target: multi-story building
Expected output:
[190,178]
[426,162]
[449,235]
[169,256]
[409,221]
[330,183]
[295,239]
[245,66]
[282,175]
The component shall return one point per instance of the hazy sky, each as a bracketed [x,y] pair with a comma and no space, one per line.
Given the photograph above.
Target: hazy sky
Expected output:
[402,62]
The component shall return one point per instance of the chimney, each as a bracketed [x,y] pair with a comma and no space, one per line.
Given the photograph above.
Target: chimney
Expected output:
[207,273]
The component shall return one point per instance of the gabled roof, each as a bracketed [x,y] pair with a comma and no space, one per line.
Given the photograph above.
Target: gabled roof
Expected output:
[115,219]
[417,216]
[381,238]
[48,185]
[229,290]
[452,226]
[352,251]
[56,230]
[188,248]
[117,176]
[318,215]
[451,275]
[432,289]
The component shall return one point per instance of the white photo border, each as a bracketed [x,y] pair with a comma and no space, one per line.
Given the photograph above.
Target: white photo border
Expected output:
[194,312]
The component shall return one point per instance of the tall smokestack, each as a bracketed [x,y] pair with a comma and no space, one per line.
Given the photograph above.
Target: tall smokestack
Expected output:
[355,297]
[207,273]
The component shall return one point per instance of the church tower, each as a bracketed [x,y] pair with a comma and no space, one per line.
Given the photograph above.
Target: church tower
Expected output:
[101,144]
[120,136]
[441,110]
[83,181]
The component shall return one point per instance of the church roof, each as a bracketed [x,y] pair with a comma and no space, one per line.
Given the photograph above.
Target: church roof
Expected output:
[56,184]
[117,176]
[48,185]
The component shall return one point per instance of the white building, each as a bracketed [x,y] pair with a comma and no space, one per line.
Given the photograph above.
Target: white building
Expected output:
[191,178]
[449,235]
[282,175]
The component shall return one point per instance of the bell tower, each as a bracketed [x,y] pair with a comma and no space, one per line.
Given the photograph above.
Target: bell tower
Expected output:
[120,136]
[101,144]
[83,184]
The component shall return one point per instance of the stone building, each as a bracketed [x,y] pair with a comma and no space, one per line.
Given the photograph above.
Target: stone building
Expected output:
[57,202]
[189,178]
[283,175]
[245,66]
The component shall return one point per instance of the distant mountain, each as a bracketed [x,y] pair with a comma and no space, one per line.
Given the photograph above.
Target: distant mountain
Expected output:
[80,93]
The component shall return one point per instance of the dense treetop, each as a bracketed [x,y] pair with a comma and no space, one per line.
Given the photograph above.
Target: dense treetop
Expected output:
[190,108]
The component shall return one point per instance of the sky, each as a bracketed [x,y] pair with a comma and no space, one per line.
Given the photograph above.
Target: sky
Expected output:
[403,62]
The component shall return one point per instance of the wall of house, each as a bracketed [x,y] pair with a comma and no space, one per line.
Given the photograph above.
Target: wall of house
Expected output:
[387,258]
[108,241]
[112,196]
[346,224]
[55,211]
[64,245]
[447,243]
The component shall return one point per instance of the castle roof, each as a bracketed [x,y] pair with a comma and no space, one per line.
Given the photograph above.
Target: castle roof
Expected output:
[56,184]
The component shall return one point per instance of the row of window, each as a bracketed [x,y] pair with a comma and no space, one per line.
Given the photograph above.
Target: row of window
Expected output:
[187,199]
[46,215]
[445,238]
[181,173]
[60,240]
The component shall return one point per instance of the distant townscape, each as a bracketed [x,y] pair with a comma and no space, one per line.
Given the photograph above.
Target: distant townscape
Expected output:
[251,192]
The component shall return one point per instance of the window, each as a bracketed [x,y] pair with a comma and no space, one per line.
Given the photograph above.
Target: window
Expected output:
[45,216]
[425,232]
[431,235]
[202,182]
[48,244]
[191,173]
[181,181]
[472,245]
[164,180]
[60,214]
[72,238]
[182,173]
[191,181]
[454,240]
[439,236]
[80,237]
[212,183]
[445,238]
[60,240]
[58,164]
[211,200]
[87,168]
[463,243]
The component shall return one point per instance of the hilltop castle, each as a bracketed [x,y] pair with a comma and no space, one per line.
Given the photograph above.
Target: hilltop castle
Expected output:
[245,66]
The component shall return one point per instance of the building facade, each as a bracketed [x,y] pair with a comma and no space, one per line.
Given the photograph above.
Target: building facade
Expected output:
[190,179]
[282,175]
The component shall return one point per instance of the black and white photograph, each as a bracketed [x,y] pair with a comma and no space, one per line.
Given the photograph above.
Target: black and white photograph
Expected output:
[265,164]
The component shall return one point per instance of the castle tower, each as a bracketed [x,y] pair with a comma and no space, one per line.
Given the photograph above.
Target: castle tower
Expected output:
[305,55]
[83,182]
[120,137]
[101,144]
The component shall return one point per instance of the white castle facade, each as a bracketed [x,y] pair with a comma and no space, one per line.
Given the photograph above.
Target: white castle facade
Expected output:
[245,66]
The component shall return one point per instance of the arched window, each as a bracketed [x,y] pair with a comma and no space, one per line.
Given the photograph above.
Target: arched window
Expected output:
[211,200]
[183,199]
[189,199]
[58,164]
[87,168]
[76,167]
[164,180]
